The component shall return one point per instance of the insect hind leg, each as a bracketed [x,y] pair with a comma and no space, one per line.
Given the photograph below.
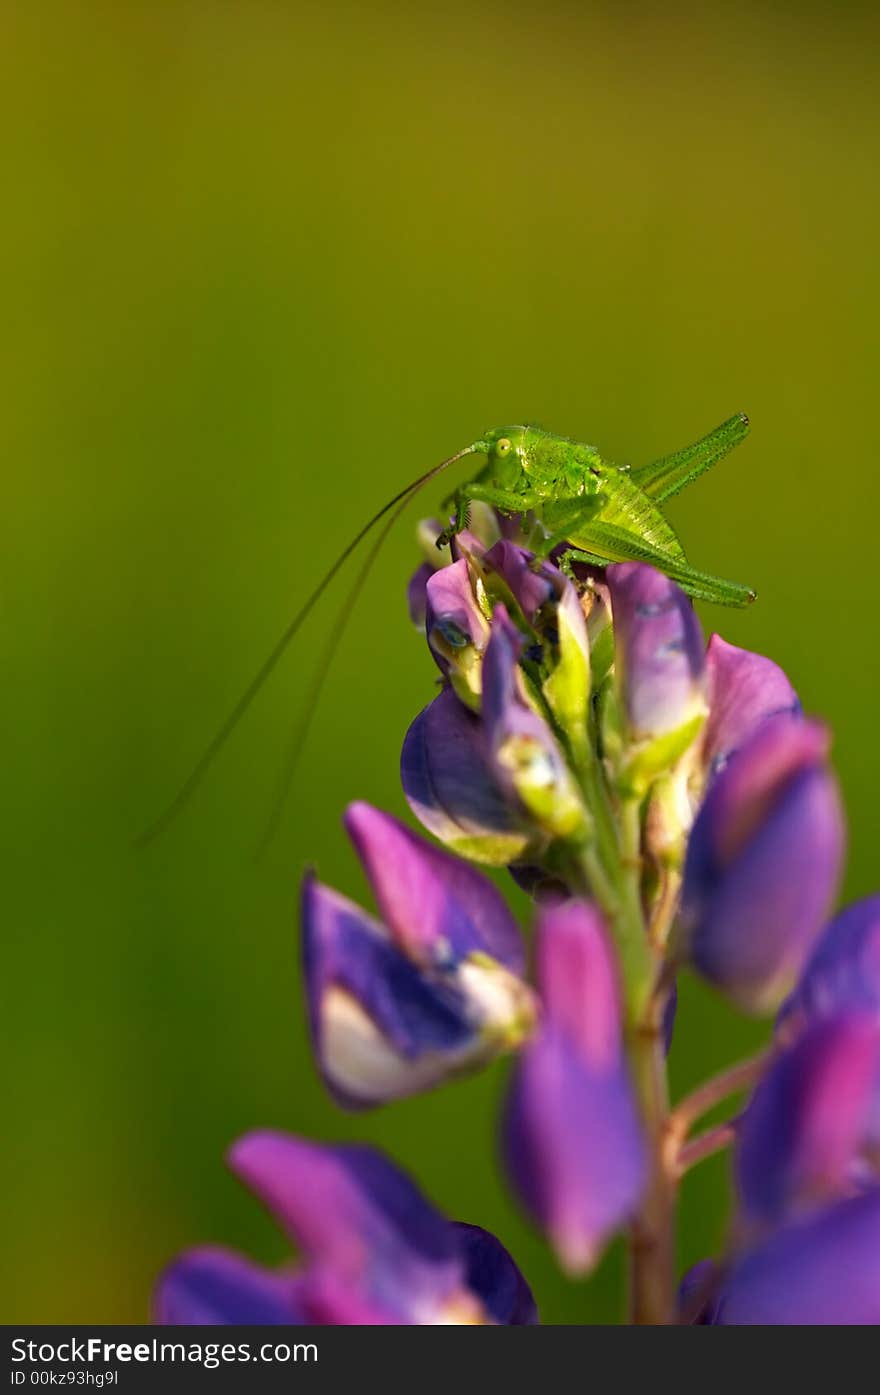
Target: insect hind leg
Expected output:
[601,543]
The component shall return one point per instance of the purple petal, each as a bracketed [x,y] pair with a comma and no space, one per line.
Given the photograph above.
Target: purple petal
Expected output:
[573,1147]
[573,1141]
[351,1211]
[578,981]
[451,787]
[495,1278]
[530,589]
[658,646]
[381,1028]
[763,864]
[469,546]
[780,750]
[744,690]
[824,1271]
[843,972]
[452,604]
[328,1301]
[570,615]
[457,629]
[437,907]
[215,1286]
[808,1119]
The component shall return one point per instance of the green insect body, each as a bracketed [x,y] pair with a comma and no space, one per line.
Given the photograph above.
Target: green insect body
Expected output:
[604,512]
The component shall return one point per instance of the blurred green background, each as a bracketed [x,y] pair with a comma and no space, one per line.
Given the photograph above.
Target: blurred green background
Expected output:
[262,263]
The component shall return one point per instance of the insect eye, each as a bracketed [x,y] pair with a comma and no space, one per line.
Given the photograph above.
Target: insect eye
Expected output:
[503,446]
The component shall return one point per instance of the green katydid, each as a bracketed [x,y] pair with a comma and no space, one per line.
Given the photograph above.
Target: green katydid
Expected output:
[603,512]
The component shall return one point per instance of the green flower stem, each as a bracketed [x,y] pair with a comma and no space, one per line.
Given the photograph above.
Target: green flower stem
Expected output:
[639,965]
[608,870]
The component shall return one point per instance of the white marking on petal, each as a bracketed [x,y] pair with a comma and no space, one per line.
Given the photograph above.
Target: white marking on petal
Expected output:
[363,1063]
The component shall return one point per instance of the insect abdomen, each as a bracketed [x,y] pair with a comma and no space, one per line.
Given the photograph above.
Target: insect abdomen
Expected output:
[629,507]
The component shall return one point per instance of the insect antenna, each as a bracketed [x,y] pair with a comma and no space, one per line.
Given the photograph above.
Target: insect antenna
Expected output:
[222,735]
[304,722]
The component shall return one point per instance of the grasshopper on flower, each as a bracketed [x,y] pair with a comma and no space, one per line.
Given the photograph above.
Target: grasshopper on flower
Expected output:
[604,512]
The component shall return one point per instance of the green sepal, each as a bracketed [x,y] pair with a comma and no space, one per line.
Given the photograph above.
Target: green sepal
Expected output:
[642,765]
[668,820]
[567,690]
[602,656]
[466,681]
[611,723]
[492,849]
[555,805]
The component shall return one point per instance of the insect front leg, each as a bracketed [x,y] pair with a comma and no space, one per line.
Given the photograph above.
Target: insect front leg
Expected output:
[505,500]
[565,519]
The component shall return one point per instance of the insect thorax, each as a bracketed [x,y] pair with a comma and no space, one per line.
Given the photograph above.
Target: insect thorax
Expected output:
[559,466]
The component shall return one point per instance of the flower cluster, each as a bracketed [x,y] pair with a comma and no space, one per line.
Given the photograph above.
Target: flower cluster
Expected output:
[665,803]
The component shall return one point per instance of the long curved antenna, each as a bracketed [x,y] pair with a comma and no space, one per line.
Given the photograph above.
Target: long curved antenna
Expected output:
[218,741]
[303,725]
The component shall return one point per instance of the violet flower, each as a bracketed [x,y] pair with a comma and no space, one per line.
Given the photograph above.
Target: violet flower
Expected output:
[820,1271]
[744,690]
[434,988]
[843,972]
[659,658]
[375,1250]
[525,756]
[763,863]
[661,802]
[450,785]
[801,1136]
[457,628]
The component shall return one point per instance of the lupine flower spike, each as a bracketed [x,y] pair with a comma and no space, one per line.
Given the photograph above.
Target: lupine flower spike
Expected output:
[668,808]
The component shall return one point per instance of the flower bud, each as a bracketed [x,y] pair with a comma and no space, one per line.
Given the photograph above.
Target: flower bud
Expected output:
[659,663]
[805,1126]
[567,689]
[450,784]
[457,629]
[513,578]
[744,690]
[763,863]
[824,1271]
[525,755]
[843,971]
